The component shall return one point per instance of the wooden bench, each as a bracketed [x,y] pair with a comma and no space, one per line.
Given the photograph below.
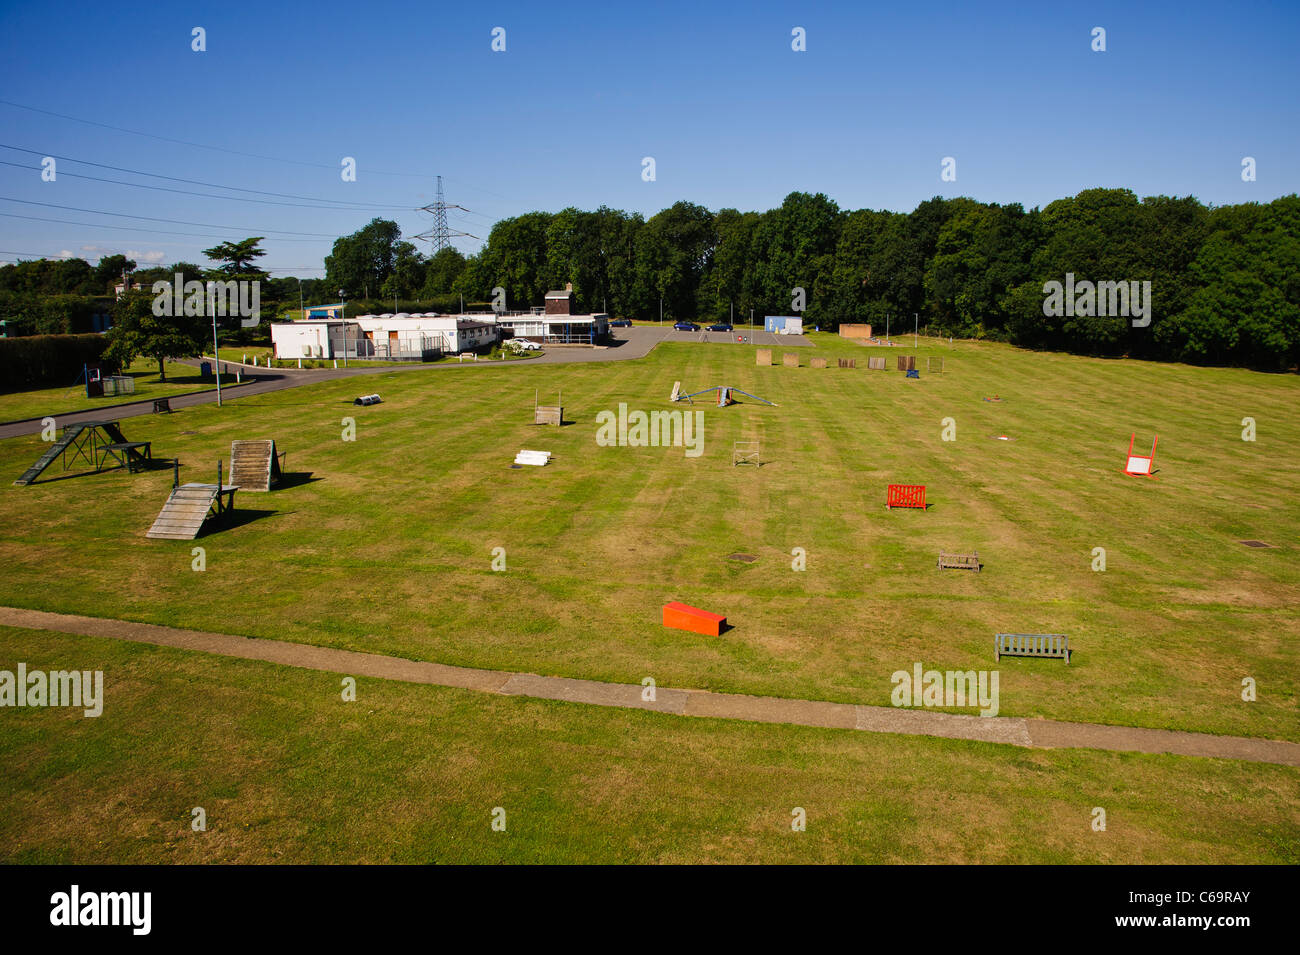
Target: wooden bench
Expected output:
[959,561]
[1053,645]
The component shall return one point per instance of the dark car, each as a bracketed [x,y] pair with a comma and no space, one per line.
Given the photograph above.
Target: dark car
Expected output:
[686,327]
[720,327]
[621,323]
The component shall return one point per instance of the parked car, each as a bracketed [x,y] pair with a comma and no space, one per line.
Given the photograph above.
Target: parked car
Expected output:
[621,323]
[686,327]
[523,343]
[720,327]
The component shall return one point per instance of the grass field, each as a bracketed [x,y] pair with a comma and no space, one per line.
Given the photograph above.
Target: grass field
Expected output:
[388,547]
[385,544]
[287,772]
[181,379]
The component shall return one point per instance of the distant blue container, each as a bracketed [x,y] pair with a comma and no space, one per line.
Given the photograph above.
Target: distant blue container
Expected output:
[205,369]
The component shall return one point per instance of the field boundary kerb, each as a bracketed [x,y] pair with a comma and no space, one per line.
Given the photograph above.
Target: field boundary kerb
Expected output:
[1033,733]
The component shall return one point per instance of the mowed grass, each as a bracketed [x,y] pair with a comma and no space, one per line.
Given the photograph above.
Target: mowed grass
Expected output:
[181,379]
[288,772]
[388,547]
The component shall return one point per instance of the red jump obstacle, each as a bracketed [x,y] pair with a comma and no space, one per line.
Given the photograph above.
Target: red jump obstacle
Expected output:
[682,616]
[905,495]
[1140,465]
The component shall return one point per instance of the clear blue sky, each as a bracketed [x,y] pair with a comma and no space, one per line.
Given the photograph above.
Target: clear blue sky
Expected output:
[732,116]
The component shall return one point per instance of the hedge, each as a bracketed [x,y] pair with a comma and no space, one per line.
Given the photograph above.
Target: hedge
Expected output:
[37,361]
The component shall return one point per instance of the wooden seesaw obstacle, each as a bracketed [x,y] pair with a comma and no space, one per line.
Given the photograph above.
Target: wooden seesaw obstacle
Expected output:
[725,393]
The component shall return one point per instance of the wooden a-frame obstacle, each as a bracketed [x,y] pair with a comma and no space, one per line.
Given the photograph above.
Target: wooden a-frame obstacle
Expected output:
[549,414]
[1141,465]
[725,393]
[254,465]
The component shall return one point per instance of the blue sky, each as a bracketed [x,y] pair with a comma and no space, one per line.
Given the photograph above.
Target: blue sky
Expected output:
[732,116]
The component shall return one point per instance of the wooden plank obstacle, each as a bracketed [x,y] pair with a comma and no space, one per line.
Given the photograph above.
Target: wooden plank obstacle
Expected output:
[763,357]
[817,363]
[790,360]
[931,368]
[682,616]
[906,362]
[959,561]
[1052,645]
[905,495]
[848,363]
[189,506]
[876,364]
[254,465]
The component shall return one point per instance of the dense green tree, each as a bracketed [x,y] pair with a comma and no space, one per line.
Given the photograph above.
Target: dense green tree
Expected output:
[238,258]
[137,331]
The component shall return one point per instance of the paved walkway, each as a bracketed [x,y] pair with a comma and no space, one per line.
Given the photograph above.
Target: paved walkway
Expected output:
[1014,731]
[632,343]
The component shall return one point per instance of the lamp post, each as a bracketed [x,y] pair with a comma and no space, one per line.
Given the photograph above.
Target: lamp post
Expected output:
[343,314]
[301,310]
[216,355]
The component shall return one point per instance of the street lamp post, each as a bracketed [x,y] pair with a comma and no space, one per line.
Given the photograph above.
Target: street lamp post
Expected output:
[343,314]
[301,310]
[216,355]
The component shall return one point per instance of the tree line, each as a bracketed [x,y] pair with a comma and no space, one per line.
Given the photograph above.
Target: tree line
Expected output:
[1225,281]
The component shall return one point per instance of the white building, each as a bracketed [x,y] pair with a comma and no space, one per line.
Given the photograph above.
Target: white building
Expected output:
[384,337]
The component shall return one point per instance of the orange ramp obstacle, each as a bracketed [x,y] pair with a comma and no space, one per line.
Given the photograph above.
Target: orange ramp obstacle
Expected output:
[682,616]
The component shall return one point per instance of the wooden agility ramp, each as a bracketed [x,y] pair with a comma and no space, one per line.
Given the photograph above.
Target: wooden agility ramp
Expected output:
[254,465]
[189,505]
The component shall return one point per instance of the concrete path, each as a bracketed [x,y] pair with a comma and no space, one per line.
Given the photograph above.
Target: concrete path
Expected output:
[1013,731]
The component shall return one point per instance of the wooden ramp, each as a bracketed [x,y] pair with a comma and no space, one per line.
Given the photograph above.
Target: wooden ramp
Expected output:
[254,465]
[70,434]
[182,517]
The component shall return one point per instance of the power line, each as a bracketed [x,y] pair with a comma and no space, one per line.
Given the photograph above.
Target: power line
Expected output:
[127,215]
[132,228]
[236,152]
[192,182]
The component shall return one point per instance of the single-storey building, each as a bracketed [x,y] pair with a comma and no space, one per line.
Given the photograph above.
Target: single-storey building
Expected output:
[388,337]
[556,323]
